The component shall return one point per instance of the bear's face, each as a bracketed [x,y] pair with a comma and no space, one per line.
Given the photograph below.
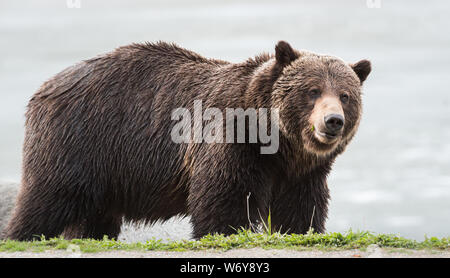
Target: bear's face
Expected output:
[319,99]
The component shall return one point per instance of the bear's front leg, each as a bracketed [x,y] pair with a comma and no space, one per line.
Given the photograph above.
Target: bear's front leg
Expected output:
[228,191]
[300,204]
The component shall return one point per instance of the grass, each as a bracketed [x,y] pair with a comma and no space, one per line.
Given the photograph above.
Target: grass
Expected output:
[242,239]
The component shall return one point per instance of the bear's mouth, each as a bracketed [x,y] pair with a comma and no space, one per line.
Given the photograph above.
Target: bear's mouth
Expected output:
[326,137]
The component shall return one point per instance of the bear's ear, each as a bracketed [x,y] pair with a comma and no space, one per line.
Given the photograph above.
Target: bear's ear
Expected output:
[362,69]
[284,54]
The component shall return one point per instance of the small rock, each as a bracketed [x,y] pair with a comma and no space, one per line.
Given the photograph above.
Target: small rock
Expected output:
[74,250]
[374,251]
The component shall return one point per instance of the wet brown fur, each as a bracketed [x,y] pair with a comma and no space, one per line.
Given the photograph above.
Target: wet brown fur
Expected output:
[98,150]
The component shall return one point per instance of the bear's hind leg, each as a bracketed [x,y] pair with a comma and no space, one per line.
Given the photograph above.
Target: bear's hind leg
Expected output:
[95,228]
[35,216]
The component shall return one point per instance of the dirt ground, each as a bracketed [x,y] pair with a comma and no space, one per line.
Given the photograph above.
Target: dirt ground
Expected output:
[370,252]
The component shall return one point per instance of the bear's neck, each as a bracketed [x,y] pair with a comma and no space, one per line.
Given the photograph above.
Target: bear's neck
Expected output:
[296,161]
[259,91]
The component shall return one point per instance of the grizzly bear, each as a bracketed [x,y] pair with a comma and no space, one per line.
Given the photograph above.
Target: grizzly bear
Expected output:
[98,147]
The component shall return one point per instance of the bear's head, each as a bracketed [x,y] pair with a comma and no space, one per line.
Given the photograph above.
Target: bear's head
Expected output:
[318,97]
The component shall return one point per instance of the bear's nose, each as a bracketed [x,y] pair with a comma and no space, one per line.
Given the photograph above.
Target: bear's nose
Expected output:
[334,122]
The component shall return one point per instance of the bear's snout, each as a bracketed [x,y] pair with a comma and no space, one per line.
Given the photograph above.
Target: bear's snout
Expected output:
[334,124]
[328,119]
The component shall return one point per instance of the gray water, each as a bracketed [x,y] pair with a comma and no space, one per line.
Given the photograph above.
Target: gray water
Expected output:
[395,175]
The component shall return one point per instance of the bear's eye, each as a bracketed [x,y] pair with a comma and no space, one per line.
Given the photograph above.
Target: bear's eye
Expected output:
[344,98]
[314,93]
